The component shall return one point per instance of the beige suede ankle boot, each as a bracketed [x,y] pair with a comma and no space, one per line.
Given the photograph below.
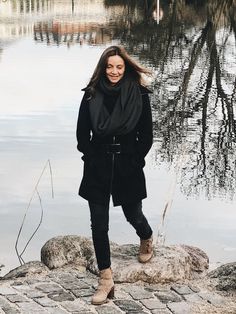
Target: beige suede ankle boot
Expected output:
[105,289]
[145,250]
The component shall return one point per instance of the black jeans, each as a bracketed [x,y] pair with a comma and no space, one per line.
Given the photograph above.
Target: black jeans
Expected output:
[100,226]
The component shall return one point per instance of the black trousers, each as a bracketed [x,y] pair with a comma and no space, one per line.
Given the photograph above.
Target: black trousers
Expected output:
[100,225]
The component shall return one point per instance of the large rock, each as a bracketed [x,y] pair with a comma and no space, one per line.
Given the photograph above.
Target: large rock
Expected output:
[30,269]
[65,250]
[170,263]
[225,277]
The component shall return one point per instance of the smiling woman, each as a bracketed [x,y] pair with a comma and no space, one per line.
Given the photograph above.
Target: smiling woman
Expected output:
[115,69]
[114,133]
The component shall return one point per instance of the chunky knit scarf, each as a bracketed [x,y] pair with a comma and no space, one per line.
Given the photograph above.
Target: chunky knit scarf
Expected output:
[127,108]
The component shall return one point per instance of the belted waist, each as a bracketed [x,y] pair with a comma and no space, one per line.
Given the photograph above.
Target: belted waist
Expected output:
[116,148]
[113,148]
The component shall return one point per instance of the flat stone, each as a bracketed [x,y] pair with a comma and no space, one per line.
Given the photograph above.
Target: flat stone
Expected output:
[10,310]
[61,296]
[138,293]
[31,307]
[128,305]
[7,290]
[194,288]
[139,312]
[75,285]
[17,283]
[83,293]
[74,306]
[152,304]
[181,289]
[4,302]
[49,287]
[56,310]
[104,309]
[212,298]
[179,307]
[161,311]
[193,298]
[23,288]
[168,296]
[121,294]
[14,298]
[45,302]
[33,281]
[33,294]
[33,268]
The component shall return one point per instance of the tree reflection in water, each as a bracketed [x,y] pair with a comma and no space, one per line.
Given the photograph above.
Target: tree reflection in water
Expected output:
[192,52]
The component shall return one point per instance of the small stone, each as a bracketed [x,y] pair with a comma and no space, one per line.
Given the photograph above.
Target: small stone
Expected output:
[33,294]
[83,293]
[45,302]
[75,285]
[161,311]
[194,288]
[31,307]
[55,310]
[128,305]
[61,296]
[7,290]
[139,312]
[107,310]
[74,306]
[152,304]
[3,302]
[168,296]
[10,310]
[14,298]
[120,294]
[193,298]
[212,298]
[47,288]
[181,289]
[33,281]
[22,288]
[138,293]
[17,283]
[179,307]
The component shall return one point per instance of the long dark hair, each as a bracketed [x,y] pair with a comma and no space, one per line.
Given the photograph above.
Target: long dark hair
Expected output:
[132,68]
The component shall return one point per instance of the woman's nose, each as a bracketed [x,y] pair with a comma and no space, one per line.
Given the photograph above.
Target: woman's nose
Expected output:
[114,70]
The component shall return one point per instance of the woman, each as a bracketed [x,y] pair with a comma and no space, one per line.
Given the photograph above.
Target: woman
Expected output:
[114,133]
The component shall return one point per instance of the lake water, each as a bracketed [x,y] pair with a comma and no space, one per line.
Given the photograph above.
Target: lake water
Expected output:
[48,50]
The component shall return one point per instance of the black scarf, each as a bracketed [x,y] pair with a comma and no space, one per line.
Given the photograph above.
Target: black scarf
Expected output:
[126,112]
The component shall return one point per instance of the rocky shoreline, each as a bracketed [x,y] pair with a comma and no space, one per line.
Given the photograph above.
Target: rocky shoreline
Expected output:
[176,281]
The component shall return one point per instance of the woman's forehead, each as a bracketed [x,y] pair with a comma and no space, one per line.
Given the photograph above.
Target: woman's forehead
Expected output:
[115,60]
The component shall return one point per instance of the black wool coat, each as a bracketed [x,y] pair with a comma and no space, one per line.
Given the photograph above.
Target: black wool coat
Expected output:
[121,174]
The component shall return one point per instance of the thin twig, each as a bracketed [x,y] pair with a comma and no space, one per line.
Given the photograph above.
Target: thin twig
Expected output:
[19,255]
[160,233]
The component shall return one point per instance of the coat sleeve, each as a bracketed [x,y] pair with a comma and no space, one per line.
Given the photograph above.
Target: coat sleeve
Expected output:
[145,129]
[84,128]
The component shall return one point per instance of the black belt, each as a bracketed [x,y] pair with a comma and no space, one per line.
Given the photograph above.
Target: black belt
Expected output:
[113,148]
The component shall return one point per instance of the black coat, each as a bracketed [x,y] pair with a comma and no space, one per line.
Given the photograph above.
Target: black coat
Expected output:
[120,175]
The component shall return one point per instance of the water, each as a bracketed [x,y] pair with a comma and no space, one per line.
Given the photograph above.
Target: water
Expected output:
[48,50]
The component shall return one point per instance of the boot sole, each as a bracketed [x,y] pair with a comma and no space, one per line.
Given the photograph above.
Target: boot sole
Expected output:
[110,295]
[148,260]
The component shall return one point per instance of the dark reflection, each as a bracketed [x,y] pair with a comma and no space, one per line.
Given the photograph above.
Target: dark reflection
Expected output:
[191,52]
[56,32]
[190,45]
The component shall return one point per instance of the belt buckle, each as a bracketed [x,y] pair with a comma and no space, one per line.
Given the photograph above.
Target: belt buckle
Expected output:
[114,148]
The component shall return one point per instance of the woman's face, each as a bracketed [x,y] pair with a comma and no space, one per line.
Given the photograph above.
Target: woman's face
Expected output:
[115,69]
